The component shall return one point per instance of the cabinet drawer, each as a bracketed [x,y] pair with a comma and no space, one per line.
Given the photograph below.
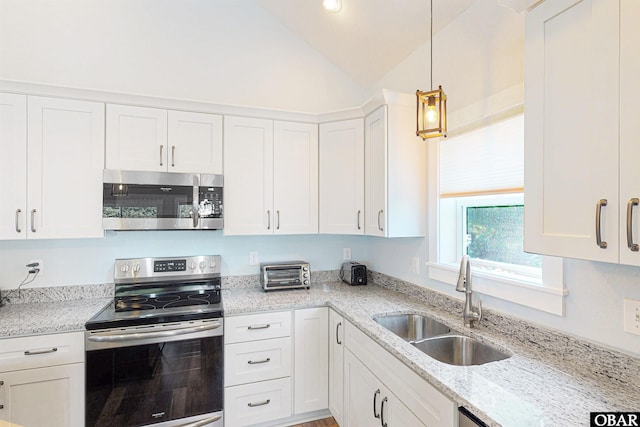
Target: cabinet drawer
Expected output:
[257,327]
[257,361]
[41,350]
[259,402]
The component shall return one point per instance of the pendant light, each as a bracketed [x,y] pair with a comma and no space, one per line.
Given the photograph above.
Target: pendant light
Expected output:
[431,105]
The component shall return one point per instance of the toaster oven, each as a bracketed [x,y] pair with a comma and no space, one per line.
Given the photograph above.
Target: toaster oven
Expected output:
[285,275]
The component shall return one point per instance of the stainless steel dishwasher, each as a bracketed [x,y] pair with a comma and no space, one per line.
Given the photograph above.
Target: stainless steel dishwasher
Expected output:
[467,419]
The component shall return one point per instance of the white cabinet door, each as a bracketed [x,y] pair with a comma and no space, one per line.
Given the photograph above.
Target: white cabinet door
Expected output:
[369,403]
[52,396]
[295,178]
[629,128]
[375,183]
[311,373]
[13,166]
[65,162]
[248,164]
[571,128]
[336,366]
[342,177]
[136,138]
[195,142]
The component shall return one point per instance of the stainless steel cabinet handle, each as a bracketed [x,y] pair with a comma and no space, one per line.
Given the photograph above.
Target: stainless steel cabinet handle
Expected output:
[35,352]
[630,204]
[202,423]
[33,220]
[337,336]
[173,156]
[379,215]
[375,396]
[18,211]
[161,148]
[268,220]
[358,219]
[267,360]
[195,213]
[253,405]
[277,220]
[599,205]
[160,334]
[254,327]
[382,421]
[1,384]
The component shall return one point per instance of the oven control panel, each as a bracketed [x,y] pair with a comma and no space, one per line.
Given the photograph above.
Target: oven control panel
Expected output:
[134,269]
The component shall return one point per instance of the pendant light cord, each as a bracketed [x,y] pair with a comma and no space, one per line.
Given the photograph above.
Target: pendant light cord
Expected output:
[431,43]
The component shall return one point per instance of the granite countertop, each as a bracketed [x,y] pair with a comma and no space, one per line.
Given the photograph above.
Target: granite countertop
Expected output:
[550,379]
[534,387]
[48,317]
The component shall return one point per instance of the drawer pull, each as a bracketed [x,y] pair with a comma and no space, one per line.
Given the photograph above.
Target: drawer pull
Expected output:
[255,327]
[632,246]
[251,362]
[35,352]
[253,405]
[599,241]
[375,396]
[382,421]
[337,335]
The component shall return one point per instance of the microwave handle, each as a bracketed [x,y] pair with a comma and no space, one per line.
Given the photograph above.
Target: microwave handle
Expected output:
[196,202]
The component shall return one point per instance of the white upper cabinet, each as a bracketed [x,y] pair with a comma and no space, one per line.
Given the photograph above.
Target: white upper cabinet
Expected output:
[195,142]
[295,178]
[271,177]
[395,171]
[136,138]
[342,177]
[579,140]
[52,181]
[629,132]
[152,139]
[13,166]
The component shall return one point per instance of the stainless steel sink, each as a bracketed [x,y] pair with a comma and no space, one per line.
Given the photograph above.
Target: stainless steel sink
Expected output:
[460,350]
[412,327]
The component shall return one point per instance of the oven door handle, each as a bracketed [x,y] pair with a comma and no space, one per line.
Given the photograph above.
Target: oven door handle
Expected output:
[159,334]
[201,423]
[196,202]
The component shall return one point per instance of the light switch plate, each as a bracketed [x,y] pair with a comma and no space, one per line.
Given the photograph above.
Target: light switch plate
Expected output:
[253,258]
[632,316]
[346,254]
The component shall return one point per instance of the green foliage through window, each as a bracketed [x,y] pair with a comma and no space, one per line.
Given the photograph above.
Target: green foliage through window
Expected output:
[495,233]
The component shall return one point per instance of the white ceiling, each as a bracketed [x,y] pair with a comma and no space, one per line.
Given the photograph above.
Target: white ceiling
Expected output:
[367,38]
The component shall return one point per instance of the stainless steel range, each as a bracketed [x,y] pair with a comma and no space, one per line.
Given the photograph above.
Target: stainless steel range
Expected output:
[154,356]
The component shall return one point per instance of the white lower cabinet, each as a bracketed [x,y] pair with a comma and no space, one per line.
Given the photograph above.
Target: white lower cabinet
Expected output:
[257,402]
[311,377]
[368,402]
[381,390]
[336,366]
[42,380]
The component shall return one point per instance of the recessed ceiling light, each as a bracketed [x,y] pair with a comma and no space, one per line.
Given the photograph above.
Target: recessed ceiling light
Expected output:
[332,5]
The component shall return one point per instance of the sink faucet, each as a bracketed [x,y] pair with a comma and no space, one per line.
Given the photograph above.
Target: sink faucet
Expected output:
[470,314]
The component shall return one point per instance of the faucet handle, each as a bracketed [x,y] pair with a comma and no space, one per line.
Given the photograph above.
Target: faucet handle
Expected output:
[479,310]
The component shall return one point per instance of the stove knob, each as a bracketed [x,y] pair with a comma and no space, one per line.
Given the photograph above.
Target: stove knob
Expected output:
[202,265]
[192,265]
[306,282]
[136,268]
[305,275]
[212,264]
[124,268]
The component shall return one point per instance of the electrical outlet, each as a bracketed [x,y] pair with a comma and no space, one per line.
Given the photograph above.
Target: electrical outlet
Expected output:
[415,265]
[40,266]
[253,258]
[632,316]
[346,254]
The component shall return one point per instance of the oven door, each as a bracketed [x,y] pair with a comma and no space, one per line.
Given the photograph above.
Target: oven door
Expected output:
[165,375]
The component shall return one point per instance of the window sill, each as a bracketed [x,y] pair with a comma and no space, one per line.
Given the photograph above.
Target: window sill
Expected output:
[548,299]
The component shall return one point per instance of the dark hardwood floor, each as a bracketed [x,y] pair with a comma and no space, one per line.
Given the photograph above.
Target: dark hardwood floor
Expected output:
[327,422]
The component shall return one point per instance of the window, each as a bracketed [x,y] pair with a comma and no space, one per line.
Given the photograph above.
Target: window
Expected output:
[479,201]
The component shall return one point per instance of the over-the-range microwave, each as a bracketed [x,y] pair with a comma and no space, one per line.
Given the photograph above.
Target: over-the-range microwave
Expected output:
[134,200]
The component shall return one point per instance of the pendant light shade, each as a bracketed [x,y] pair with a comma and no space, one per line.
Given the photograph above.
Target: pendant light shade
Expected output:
[431,106]
[431,113]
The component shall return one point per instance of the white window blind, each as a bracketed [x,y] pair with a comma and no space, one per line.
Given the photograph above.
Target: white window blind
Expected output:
[488,160]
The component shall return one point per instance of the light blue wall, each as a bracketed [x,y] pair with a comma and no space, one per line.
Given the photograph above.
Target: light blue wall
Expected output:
[89,261]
